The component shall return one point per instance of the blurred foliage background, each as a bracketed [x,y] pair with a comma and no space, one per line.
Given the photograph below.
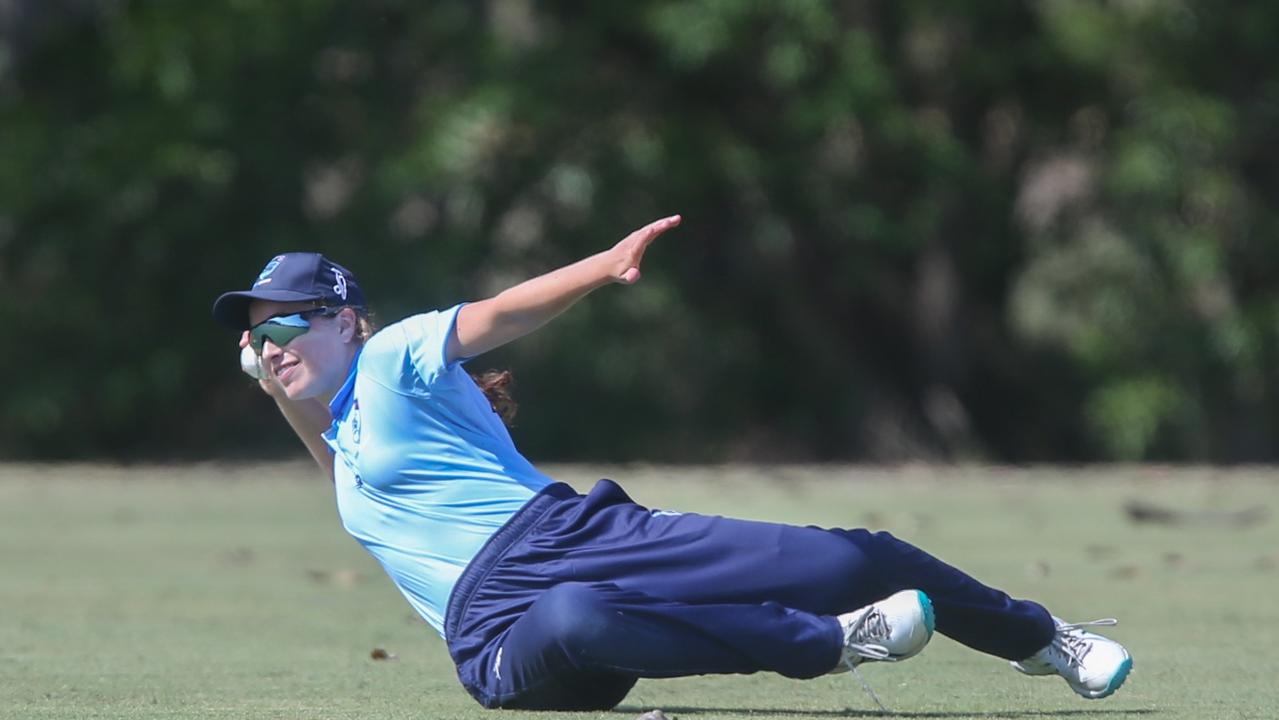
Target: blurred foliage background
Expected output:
[923,229]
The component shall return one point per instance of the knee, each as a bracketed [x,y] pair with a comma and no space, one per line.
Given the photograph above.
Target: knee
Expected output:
[884,540]
[573,615]
[873,561]
[881,545]
[863,550]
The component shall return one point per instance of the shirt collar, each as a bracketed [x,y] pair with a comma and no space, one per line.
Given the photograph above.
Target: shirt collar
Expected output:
[341,401]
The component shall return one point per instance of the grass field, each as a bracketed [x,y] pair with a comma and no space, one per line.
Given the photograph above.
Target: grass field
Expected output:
[232,592]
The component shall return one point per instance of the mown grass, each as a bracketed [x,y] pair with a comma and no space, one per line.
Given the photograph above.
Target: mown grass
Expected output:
[232,592]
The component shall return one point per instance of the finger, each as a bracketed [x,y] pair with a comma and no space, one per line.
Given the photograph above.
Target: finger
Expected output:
[638,241]
[649,232]
[244,338]
[630,277]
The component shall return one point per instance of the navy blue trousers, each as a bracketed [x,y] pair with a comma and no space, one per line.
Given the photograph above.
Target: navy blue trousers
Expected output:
[578,596]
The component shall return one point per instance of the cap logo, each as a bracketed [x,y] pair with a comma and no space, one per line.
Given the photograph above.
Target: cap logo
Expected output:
[265,276]
[340,287]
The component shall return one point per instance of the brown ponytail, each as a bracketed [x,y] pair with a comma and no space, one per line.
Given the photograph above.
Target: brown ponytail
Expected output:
[496,385]
[365,325]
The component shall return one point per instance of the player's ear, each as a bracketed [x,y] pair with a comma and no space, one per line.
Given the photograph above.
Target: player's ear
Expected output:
[348,325]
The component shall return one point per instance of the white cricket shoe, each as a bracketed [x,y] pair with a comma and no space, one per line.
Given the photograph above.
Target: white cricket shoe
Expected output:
[892,629]
[1093,665]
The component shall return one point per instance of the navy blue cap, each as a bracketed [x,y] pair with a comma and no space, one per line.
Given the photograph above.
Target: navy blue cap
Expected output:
[291,277]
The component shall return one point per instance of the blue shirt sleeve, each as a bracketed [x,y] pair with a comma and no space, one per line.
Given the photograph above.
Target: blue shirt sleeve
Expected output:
[419,344]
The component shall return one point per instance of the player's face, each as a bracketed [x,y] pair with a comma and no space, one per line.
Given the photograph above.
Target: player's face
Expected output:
[307,364]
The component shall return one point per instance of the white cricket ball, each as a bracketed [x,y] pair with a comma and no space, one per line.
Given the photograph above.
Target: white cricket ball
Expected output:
[250,363]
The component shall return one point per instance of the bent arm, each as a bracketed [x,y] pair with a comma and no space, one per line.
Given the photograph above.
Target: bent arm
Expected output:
[513,313]
[310,419]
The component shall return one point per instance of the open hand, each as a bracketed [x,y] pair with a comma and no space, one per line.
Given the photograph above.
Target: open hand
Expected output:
[630,251]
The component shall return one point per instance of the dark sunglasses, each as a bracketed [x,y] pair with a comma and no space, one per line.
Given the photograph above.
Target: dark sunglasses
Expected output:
[283,329]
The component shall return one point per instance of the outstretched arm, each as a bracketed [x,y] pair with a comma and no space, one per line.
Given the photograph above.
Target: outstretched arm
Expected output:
[515,312]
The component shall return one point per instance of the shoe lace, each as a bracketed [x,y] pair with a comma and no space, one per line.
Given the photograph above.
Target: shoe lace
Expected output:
[866,686]
[1070,643]
[861,633]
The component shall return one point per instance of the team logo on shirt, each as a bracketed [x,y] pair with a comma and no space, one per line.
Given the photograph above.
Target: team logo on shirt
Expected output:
[355,422]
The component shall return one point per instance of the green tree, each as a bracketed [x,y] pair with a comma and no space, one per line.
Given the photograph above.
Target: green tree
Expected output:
[917,229]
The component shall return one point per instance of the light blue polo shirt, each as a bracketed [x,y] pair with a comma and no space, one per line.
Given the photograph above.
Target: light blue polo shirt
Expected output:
[424,469]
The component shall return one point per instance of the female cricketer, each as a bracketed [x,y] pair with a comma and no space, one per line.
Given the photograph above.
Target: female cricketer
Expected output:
[554,600]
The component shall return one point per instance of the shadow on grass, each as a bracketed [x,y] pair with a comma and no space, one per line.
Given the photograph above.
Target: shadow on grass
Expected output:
[786,713]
